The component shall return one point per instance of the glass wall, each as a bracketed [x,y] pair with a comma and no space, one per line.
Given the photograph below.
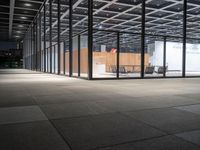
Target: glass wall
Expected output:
[130,55]
[80,29]
[75,56]
[174,56]
[42,40]
[122,33]
[66,49]
[104,54]
[64,36]
[154,56]
[192,57]
[47,40]
[193,39]
[83,54]
[55,34]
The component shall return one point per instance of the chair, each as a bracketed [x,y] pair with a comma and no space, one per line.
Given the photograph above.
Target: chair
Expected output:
[113,69]
[161,69]
[149,70]
[122,69]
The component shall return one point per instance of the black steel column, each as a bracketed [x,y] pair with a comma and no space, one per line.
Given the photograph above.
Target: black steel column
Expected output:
[90,38]
[118,52]
[40,45]
[164,58]
[50,33]
[143,39]
[70,37]
[31,45]
[29,49]
[64,48]
[44,28]
[58,38]
[184,36]
[36,44]
[54,49]
[79,57]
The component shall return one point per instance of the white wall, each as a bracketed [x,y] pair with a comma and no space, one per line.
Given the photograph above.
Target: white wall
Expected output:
[174,52]
[174,55]
[192,57]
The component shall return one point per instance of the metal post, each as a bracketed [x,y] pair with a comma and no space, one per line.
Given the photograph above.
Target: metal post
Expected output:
[40,45]
[36,45]
[31,47]
[58,38]
[33,44]
[79,57]
[90,38]
[54,49]
[164,58]
[50,33]
[64,48]
[44,28]
[70,37]
[184,36]
[118,52]
[143,39]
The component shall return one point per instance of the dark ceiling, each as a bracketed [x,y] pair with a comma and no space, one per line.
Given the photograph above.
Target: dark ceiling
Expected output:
[16,16]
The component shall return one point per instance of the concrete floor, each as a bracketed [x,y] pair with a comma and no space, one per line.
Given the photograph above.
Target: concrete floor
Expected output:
[48,112]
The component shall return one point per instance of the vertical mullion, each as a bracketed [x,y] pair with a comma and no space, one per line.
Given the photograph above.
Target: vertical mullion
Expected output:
[50,33]
[34,47]
[58,38]
[64,47]
[164,58]
[40,39]
[36,44]
[79,58]
[90,38]
[54,49]
[29,49]
[31,45]
[118,52]
[143,39]
[44,30]
[70,37]
[184,36]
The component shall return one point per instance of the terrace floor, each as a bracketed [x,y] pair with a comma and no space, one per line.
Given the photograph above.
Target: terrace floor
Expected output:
[49,112]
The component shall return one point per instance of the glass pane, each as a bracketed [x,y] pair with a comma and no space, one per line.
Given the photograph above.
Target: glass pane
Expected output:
[154,51]
[104,54]
[174,56]
[84,55]
[55,33]
[193,45]
[192,57]
[67,57]
[130,55]
[75,56]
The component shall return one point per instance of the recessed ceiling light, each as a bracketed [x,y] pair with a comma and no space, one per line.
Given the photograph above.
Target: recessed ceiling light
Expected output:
[27,4]
[17,36]
[18,31]
[24,17]
[21,26]
[100,26]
